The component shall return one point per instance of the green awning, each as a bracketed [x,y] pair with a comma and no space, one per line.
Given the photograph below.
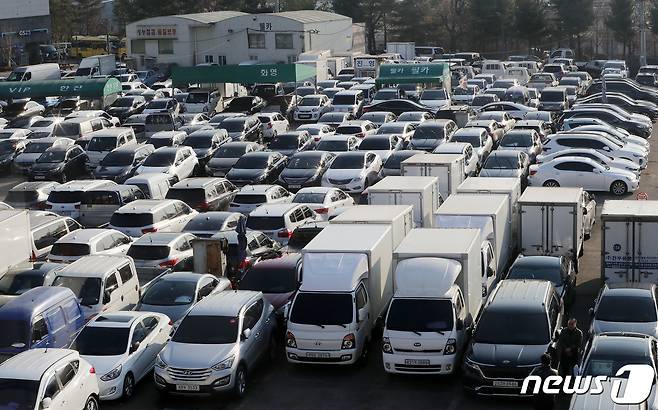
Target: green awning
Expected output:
[413,73]
[88,88]
[241,74]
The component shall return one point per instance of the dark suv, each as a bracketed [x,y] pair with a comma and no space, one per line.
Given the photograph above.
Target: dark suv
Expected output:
[520,321]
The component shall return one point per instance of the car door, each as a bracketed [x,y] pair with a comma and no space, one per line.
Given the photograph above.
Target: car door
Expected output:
[112,288]
[363,317]
[257,342]
[70,386]
[53,391]
[137,349]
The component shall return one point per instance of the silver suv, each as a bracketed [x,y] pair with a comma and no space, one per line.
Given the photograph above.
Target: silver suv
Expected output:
[217,344]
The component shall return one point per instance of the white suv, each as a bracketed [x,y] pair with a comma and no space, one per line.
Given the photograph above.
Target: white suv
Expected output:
[278,221]
[53,379]
[251,197]
[152,215]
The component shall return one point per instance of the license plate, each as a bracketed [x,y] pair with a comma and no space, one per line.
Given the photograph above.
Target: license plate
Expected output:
[317,355]
[187,387]
[39,177]
[294,186]
[416,362]
[505,383]
[304,115]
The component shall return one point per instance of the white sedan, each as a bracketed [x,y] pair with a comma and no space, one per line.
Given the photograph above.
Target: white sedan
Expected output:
[122,347]
[585,173]
[323,200]
[353,172]
[405,129]
[595,155]
[471,159]
[177,162]
[317,131]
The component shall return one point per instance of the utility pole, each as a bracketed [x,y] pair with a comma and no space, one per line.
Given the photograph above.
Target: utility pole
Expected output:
[643,35]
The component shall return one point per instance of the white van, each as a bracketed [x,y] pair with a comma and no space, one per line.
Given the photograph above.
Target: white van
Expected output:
[154,186]
[103,141]
[495,67]
[38,72]
[149,215]
[46,228]
[520,74]
[350,101]
[65,199]
[103,283]
[85,242]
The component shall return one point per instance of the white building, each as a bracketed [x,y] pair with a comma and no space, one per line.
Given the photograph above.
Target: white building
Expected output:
[231,37]
[24,24]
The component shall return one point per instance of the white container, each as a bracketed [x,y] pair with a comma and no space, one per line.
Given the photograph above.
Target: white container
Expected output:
[551,222]
[448,168]
[420,192]
[398,217]
[15,238]
[406,49]
[629,247]
[474,211]
[510,187]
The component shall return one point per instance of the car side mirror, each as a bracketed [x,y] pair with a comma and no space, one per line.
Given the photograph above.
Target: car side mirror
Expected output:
[107,296]
[460,324]
[591,312]
[246,333]
[576,370]
[363,314]
[286,311]
[46,402]
[134,347]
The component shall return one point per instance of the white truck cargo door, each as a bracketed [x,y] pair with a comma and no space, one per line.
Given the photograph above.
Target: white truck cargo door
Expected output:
[415,199]
[533,230]
[561,240]
[382,198]
[645,258]
[443,175]
[617,251]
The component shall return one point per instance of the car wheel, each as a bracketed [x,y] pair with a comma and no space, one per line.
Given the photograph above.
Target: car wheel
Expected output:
[92,403]
[272,350]
[63,178]
[240,385]
[363,359]
[618,188]
[128,386]
[551,183]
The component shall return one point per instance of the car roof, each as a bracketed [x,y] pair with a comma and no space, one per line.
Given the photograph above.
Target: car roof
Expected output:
[160,238]
[196,182]
[224,303]
[32,364]
[274,209]
[632,289]
[33,185]
[627,344]
[539,261]
[116,319]
[85,235]
[83,185]
[256,189]
[316,190]
[94,266]
[288,261]
[521,294]
[35,300]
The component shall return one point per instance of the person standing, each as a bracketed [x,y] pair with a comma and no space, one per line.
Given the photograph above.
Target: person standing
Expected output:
[569,345]
[541,400]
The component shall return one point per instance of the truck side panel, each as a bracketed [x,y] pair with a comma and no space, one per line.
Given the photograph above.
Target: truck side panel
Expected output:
[532,227]
[562,231]
[15,239]
[617,254]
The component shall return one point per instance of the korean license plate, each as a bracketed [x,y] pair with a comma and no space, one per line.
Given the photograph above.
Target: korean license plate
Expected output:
[39,177]
[416,362]
[317,355]
[505,383]
[187,387]
[305,116]
[294,186]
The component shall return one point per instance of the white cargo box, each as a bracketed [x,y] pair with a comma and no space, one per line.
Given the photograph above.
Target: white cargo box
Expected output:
[419,192]
[15,238]
[399,217]
[448,168]
[629,246]
[510,187]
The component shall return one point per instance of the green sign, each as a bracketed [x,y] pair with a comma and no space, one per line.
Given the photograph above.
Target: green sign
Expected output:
[88,88]
[242,74]
[412,73]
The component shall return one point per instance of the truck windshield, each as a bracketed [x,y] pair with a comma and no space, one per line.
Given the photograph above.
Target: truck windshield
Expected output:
[18,394]
[13,331]
[322,309]
[512,328]
[420,315]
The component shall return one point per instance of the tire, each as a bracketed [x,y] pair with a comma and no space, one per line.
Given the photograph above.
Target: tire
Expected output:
[128,387]
[240,384]
[92,403]
[551,183]
[363,359]
[619,188]
[272,350]
[63,179]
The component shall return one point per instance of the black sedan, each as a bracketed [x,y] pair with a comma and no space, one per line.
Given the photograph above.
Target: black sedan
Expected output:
[398,107]
[305,169]
[257,168]
[121,163]
[556,269]
[124,107]
[205,143]
[247,105]
[289,143]
[227,155]
[620,100]
[9,149]
[60,164]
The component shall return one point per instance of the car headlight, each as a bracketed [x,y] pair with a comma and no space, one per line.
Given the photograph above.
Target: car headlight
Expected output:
[112,374]
[159,363]
[386,345]
[451,347]
[224,364]
[314,109]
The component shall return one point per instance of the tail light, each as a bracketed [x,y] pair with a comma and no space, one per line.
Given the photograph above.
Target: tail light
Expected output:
[149,230]
[92,370]
[244,264]
[544,149]
[47,206]
[169,264]
[316,139]
[360,135]
[171,323]
[533,171]
[269,125]
[322,210]
[33,257]
[284,233]
[203,206]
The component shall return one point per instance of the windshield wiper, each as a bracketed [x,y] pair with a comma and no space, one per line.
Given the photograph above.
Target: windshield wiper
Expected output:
[441,332]
[319,324]
[417,332]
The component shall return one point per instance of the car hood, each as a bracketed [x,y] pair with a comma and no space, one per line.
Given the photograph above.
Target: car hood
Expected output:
[506,355]
[343,173]
[101,170]
[46,166]
[149,170]
[118,110]
[222,163]
[245,173]
[173,312]
[195,356]
[103,364]
[308,109]
[500,173]
[648,328]
[235,135]
[27,158]
[434,103]
[527,150]
[298,173]
[201,152]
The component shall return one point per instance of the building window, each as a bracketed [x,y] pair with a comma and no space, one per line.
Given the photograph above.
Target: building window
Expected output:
[256,40]
[208,59]
[165,46]
[292,59]
[221,60]
[138,46]
[253,58]
[283,41]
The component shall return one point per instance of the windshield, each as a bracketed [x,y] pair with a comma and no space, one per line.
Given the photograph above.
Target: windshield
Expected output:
[635,309]
[607,365]
[474,140]
[157,104]
[21,197]
[552,96]
[88,290]
[347,162]
[233,126]
[271,280]
[37,147]
[187,195]
[433,95]
[148,252]
[259,162]
[332,146]
[207,330]
[394,161]
[170,293]
[349,129]
[428,133]
[512,328]
[66,129]
[311,309]
[18,394]
[391,128]
[549,273]
[7,147]
[130,220]
[117,159]
[304,162]
[516,140]
[386,95]
[197,98]
[230,152]
[198,141]
[463,91]
[308,198]
[13,331]
[375,144]
[501,162]
[17,284]
[285,142]
[102,341]
[160,159]
[481,100]
[310,102]
[541,79]
[266,223]
[344,99]
[420,315]
[123,102]
[52,156]
[102,144]
[70,249]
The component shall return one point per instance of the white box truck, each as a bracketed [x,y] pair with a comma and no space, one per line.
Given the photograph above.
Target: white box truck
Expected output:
[448,168]
[551,222]
[15,238]
[399,217]
[420,192]
[406,49]
[510,187]
[436,280]
[629,246]
[335,64]
[476,211]
[347,285]
[101,65]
